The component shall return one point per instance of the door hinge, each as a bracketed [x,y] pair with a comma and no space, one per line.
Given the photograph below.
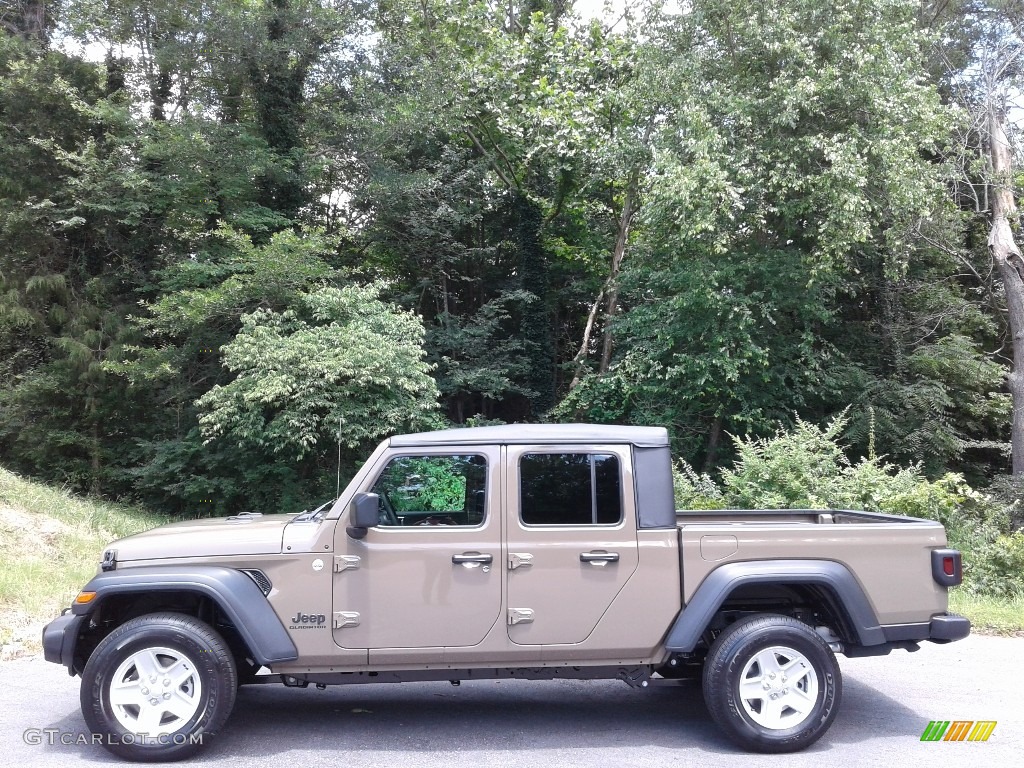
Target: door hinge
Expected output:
[345,562]
[344,619]
[517,559]
[520,616]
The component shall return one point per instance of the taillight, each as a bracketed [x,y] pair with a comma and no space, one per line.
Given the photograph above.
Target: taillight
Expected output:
[947,568]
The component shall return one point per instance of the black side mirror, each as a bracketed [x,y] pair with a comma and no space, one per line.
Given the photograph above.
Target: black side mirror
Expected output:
[365,513]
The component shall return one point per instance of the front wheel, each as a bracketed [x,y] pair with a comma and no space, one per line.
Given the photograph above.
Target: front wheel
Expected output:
[772,684]
[157,687]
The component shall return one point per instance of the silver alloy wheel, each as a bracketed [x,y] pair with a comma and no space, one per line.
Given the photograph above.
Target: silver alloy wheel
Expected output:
[155,691]
[778,687]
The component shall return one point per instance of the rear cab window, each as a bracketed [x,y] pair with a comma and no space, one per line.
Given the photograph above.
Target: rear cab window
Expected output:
[570,489]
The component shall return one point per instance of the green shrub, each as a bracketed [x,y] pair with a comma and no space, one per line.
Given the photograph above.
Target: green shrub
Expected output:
[1009,491]
[695,491]
[800,469]
[997,567]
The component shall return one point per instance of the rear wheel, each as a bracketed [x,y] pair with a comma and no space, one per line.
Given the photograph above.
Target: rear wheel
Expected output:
[158,687]
[772,684]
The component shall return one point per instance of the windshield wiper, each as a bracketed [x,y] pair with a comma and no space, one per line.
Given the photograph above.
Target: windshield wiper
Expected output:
[306,517]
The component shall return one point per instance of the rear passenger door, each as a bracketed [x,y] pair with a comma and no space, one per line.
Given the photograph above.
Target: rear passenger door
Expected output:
[571,544]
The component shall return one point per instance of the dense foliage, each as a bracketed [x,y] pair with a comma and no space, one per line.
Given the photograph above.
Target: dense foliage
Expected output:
[242,241]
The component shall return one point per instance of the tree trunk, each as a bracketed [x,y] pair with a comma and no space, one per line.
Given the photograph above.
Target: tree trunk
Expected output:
[612,303]
[581,355]
[161,94]
[609,292]
[535,325]
[26,18]
[1008,260]
[714,440]
[629,208]
[278,78]
[94,449]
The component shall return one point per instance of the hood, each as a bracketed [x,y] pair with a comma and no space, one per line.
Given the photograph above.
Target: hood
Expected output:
[239,535]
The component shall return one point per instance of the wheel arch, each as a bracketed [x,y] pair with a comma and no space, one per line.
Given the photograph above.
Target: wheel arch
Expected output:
[206,592]
[824,583]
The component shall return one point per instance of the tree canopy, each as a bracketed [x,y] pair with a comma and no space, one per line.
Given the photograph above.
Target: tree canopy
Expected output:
[242,241]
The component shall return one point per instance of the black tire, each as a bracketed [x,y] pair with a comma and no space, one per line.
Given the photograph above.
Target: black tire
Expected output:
[804,685]
[193,673]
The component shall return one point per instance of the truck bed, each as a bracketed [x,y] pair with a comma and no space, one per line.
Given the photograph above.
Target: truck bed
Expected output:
[889,555]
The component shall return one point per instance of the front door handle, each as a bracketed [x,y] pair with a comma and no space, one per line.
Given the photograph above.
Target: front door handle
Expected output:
[472,559]
[599,558]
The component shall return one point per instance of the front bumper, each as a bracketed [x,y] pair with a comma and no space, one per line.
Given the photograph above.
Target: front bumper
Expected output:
[59,639]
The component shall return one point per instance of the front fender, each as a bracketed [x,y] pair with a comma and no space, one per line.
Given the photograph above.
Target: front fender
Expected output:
[234,592]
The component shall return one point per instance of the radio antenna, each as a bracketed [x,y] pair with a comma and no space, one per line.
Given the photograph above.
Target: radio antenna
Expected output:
[337,488]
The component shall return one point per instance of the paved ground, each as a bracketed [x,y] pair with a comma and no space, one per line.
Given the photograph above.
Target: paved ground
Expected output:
[887,703]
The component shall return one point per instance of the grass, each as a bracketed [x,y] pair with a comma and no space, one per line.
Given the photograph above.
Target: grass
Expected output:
[990,615]
[50,546]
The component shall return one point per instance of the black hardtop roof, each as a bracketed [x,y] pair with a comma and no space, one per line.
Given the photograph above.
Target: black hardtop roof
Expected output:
[505,434]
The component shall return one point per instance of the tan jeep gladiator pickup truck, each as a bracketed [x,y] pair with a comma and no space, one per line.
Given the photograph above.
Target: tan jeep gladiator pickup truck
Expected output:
[522,551]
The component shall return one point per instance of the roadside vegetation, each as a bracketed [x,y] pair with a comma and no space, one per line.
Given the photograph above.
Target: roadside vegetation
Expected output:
[988,614]
[50,545]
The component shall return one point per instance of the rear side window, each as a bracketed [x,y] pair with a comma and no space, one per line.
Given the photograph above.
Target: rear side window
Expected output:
[570,489]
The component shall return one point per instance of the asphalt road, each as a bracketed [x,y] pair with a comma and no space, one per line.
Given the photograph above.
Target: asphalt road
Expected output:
[887,703]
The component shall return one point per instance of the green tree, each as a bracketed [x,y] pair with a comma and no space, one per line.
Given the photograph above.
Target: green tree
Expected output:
[66,273]
[716,219]
[500,150]
[348,367]
[794,176]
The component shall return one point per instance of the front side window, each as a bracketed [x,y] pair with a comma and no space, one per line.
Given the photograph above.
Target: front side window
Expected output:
[433,490]
[569,489]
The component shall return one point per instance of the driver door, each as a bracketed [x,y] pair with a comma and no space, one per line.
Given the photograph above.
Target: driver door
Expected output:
[429,574]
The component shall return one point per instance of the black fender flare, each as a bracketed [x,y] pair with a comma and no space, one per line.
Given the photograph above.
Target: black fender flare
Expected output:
[234,592]
[721,582]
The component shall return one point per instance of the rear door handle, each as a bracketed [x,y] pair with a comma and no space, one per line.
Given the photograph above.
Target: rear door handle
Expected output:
[599,558]
[472,558]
